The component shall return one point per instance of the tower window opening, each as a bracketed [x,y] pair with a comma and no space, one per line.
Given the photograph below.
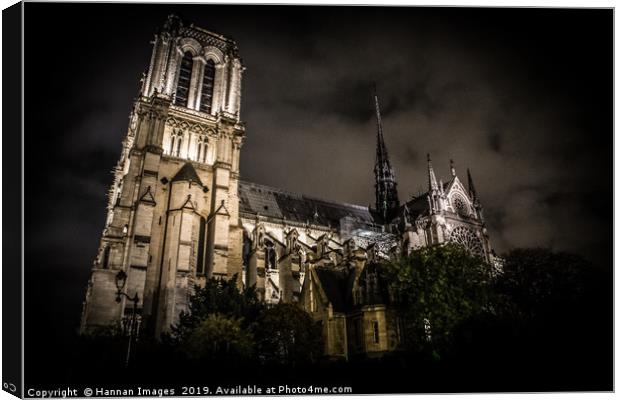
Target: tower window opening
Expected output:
[199,151]
[206,97]
[185,77]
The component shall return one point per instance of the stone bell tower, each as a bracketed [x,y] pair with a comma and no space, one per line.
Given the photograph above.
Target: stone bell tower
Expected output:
[173,207]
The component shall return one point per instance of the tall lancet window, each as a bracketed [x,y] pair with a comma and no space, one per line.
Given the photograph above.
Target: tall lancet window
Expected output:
[201,150]
[206,98]
[185,77]
[179,143]
[173,136]
[171,144]
[270,255]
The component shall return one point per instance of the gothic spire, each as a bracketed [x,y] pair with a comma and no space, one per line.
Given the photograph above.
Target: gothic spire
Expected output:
[385,183]
[432,180]
[472,188]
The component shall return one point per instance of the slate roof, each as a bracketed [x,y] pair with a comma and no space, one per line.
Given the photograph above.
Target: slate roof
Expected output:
[187,173]
[417,206]
[277,203]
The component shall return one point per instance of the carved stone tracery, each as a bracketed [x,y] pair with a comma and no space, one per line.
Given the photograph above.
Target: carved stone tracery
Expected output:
[468,239]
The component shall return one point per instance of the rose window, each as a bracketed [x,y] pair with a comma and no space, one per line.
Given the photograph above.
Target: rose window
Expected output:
[459,206]
[468,239]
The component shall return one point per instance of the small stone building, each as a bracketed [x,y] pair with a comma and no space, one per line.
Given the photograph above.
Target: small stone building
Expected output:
[353,309]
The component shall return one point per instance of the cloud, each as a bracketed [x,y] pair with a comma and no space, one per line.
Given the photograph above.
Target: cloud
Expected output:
[531,120]
[523,142]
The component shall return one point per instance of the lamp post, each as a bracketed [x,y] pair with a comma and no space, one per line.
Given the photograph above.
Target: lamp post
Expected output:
[121,280]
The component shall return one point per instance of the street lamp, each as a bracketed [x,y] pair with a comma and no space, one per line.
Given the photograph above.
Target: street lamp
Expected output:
[121,280]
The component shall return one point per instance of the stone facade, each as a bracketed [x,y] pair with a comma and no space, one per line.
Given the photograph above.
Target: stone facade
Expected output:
[178,212]
[173,208]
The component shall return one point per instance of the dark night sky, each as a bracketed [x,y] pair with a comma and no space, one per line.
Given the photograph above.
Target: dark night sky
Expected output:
[523,97]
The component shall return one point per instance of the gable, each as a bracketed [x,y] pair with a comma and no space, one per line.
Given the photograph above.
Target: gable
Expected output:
[459,201]
[455,186]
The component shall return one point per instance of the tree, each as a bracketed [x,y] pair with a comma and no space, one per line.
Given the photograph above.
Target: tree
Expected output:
[560,310]
[435,289]
[555,300]
[218,337]
[225,323]
[218,296]
[286,334]
[537,282]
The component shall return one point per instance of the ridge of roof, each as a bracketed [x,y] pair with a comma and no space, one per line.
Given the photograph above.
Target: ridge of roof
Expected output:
[302,196]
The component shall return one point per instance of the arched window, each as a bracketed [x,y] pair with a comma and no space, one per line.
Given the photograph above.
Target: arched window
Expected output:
[179,142]
[201,149]
[172,137]
[206,98]
[270,255]
[185,77]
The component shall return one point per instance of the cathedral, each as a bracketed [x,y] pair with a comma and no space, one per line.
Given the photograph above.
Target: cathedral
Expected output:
[178,212]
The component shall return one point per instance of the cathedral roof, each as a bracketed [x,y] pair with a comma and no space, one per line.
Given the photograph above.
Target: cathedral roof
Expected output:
[187,173]
[416,206]
[277,203]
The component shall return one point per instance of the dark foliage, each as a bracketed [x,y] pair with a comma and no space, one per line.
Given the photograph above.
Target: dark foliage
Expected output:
[286,334]
[218,338]
[218,296]
[543,325]
[435,289]
[537,282]
[233,326]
